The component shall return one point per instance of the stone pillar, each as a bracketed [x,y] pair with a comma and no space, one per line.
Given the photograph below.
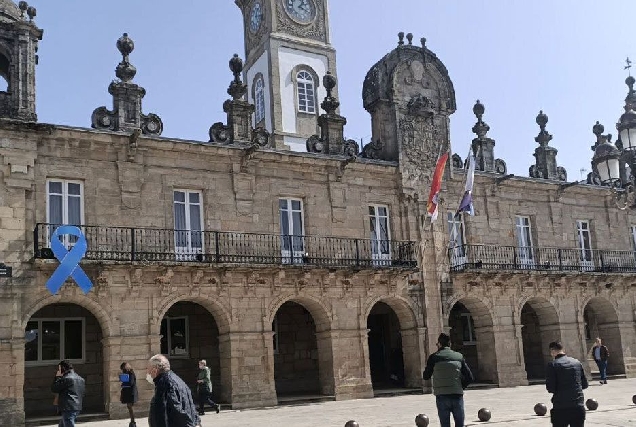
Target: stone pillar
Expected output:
[414,355]
[12,381]
[495,344]
[332,132]
[247,369]
[239,120]
[343,364]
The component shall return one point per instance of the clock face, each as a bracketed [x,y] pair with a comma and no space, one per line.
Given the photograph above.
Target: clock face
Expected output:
[256,17]
[302,11]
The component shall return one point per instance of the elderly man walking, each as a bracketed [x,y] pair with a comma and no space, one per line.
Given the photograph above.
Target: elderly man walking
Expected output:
[172,404]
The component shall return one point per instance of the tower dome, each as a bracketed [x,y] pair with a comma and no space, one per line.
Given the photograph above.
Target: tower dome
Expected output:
[9,11]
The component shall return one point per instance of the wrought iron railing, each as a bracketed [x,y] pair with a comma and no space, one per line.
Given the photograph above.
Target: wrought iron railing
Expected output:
[129,244]
[491,257]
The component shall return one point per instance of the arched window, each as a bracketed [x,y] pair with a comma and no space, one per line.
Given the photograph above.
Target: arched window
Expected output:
[259,99]
[306,92]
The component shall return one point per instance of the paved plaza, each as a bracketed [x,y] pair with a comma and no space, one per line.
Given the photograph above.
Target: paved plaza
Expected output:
[509,406]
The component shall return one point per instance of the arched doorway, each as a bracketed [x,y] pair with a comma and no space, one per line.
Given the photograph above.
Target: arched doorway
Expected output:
[471,331]
[189,333]
[301,360]
[601,321]
[386,358]
[539,327]
[53,333]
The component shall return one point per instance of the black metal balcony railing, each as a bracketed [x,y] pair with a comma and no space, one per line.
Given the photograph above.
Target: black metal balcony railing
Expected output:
[487,257]
[128,244]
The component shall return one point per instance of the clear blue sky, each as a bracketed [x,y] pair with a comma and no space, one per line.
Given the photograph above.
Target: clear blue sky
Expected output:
[517,56]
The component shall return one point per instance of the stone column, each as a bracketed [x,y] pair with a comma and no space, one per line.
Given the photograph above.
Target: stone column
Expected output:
[414,355]
[247,369]
[12,381]
[494,344]
[343,357]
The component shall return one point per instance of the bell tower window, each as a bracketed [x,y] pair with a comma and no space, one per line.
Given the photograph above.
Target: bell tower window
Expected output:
[306,92]
[4,73]
[259,98]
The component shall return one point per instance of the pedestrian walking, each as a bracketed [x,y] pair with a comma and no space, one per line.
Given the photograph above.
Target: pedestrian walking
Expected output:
[565,379]
[172,404]
[451,375]
[204,388]
[70,389]
[601,356]
[129,394]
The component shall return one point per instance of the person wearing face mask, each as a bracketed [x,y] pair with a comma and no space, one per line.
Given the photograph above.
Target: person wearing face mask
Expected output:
[172,404]
[451,375]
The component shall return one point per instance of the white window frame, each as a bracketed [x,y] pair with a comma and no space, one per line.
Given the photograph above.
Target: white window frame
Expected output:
[259,99]
[305,85]
[275,340]
[66,239]
[41,362]
[168,319]
[523,234]
[188,252]
[292,255]
[471,329]
[456,229]
[633,228]
[586,264]
[378,256]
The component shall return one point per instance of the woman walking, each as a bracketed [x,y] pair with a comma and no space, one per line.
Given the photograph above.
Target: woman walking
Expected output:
[129,394]
[204,388]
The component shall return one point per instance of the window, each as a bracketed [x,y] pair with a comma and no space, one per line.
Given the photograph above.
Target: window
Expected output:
[259,99]
[584,241]
[524,239]
[306,92]
[47,341]
[468,330]
[275,334]
[64,206]
[380,235]
[634,237]
[188,223]
[175,337]
[292,230]
[456,238]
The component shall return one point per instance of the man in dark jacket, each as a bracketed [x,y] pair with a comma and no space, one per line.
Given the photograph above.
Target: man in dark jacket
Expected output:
[451,375]
[172,404]
[70,389]
[565,379]
[601,355]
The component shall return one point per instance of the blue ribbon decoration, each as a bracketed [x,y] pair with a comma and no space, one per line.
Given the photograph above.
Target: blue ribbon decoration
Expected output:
[69,260]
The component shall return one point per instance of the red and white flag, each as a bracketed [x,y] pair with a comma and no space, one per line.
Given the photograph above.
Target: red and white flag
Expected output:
[436,187]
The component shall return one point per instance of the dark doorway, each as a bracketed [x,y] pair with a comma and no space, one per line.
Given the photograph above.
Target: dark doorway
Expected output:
[532,343]
[385,348]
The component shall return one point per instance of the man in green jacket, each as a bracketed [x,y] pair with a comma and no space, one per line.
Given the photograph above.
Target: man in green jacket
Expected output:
[451,375]
[204,388]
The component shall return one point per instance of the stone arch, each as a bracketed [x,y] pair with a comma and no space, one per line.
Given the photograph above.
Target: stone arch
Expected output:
[540,325]
[404,310]
[220,313]
[318,310]
[601,320]
[470,318]
[96,309]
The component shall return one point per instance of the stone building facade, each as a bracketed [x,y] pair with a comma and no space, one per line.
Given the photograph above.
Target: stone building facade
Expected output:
[295,274]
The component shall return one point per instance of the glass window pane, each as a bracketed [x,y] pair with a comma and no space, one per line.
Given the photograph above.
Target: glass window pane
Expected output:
[51,340]
[179,196]
[73,339]
[195,217]
[74,188]
[282,203]
[164,336]
[372,210]
[180,217]
[297,220]
[55,187]
[284,223]
[74,210]
[194,197]
[31,334]
[178,341]
[55,209]
[295,205]
[465,329]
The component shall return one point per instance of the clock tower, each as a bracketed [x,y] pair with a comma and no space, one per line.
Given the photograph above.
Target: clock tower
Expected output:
[288,51]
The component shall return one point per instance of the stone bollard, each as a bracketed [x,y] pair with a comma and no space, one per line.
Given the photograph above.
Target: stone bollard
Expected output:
[634,399]
[422,420]
[540,409]
[484,414]
[352,424]
[592,404]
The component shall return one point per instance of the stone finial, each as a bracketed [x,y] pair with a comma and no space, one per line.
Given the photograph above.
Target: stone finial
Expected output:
[330,103]
[125,71]
[483,146]
[31,12]
[401,38]
[480,128]
[23,6]
[126,115]
[544,136]
[598,130]
[423,41]
[409,38]
[237,89]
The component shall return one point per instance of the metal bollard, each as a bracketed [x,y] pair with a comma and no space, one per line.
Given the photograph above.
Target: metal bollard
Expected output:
[352,424]
[422,420]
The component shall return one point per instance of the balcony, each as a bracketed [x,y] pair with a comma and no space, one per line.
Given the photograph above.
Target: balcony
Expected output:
[487,257]
[126,244]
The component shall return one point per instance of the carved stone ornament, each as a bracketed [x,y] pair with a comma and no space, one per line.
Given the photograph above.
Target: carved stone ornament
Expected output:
[562,174]
[421,141]
[260,137]
[420,105]
[351,148]
[372,150]
[315,30]
[458,163]
[594,179]
[219,133]
[500,167]
[315,145]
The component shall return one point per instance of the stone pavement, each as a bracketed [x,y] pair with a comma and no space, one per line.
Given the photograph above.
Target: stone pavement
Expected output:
[509,406]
